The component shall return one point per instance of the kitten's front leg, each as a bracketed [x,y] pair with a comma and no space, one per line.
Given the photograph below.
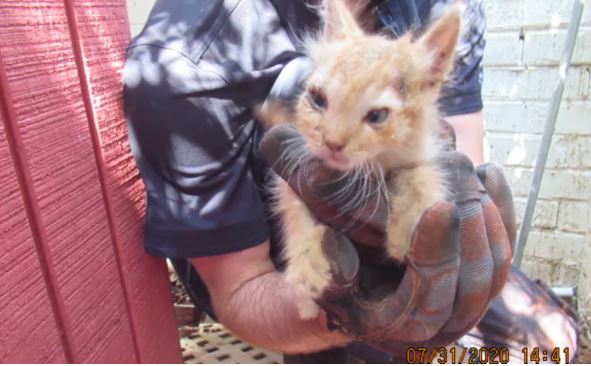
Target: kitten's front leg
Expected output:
[411,193]
[307,267]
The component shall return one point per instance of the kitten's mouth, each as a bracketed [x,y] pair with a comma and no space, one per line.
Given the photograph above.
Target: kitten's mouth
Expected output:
[335,160]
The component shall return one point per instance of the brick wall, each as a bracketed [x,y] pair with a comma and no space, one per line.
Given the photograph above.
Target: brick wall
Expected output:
[525,39]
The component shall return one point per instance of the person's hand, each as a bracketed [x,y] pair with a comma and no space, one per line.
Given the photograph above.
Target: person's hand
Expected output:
[458,262]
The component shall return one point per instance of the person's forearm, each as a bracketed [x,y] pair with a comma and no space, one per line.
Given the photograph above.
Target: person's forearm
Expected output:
[263,312]
[469,129]
[256,303]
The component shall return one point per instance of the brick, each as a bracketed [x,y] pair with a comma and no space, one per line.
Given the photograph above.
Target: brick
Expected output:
[570,151]
[569,275]
[503,49]
[574,216]
[552,273]
[556,246]
[530,116]
[536,269]
[566,151]
[552,13]
[544,216]
[556,184]
[515,117]
[512,150]
[545,47]
[515,14]
[584,287]
[533,83]
[504,13]
[574,118]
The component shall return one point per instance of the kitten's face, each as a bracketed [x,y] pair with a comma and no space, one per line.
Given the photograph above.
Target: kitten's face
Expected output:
[368,95]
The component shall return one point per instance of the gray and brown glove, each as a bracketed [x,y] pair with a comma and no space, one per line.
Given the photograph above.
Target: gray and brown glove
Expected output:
[459,258]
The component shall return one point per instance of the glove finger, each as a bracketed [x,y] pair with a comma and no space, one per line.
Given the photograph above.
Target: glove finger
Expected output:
[422,303]
[495,182]
[344,264]
[500,246]
[344,268]
[476,268]
[475,276]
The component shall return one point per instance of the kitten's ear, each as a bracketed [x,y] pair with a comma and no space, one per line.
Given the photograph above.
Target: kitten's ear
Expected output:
[339,21]
[441,40]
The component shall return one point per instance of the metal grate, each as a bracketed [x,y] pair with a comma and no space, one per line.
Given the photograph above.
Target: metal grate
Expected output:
[212,343]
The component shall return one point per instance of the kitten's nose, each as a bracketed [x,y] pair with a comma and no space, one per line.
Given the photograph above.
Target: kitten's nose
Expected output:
[335,146]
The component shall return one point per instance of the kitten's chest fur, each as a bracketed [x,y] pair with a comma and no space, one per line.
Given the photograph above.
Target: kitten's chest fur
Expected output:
[410,191]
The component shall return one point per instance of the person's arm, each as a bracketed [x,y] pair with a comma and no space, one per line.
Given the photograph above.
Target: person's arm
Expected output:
[469,130]
[195,152]
[253,300]
[461,101]
[437,298]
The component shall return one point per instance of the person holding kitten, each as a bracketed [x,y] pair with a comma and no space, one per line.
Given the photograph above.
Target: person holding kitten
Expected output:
[192,80]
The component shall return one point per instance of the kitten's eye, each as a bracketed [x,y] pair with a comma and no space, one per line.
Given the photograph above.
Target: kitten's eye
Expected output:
[317,99]
[376,116]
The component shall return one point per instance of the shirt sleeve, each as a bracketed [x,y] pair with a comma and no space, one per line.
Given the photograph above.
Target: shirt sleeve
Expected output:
[190,82]
[462,94]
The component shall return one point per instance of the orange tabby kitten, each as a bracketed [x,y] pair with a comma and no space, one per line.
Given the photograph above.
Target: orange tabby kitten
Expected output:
[369,107]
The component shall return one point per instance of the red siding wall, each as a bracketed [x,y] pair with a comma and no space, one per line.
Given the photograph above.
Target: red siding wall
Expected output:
[75,284]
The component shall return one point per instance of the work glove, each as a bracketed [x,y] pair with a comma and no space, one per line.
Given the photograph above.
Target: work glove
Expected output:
[458,261]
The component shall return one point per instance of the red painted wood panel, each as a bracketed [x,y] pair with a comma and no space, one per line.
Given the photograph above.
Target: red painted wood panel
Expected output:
[103,33]
[50,116]
[62,61]
[29,330]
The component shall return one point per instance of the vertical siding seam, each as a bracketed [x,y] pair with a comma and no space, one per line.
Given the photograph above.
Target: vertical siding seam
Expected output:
[101,166]
[25,181]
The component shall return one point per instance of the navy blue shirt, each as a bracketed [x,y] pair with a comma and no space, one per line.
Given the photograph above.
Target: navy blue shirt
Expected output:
[191,79]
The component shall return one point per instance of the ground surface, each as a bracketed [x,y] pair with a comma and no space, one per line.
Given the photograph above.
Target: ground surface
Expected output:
[210,342]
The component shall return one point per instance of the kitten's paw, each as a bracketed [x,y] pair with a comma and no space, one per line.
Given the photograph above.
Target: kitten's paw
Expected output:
[309,271]
[399,242]
[309,287]
[307,308]
[397,252]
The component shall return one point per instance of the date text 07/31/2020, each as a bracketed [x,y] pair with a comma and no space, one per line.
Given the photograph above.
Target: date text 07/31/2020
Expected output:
[493,355]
